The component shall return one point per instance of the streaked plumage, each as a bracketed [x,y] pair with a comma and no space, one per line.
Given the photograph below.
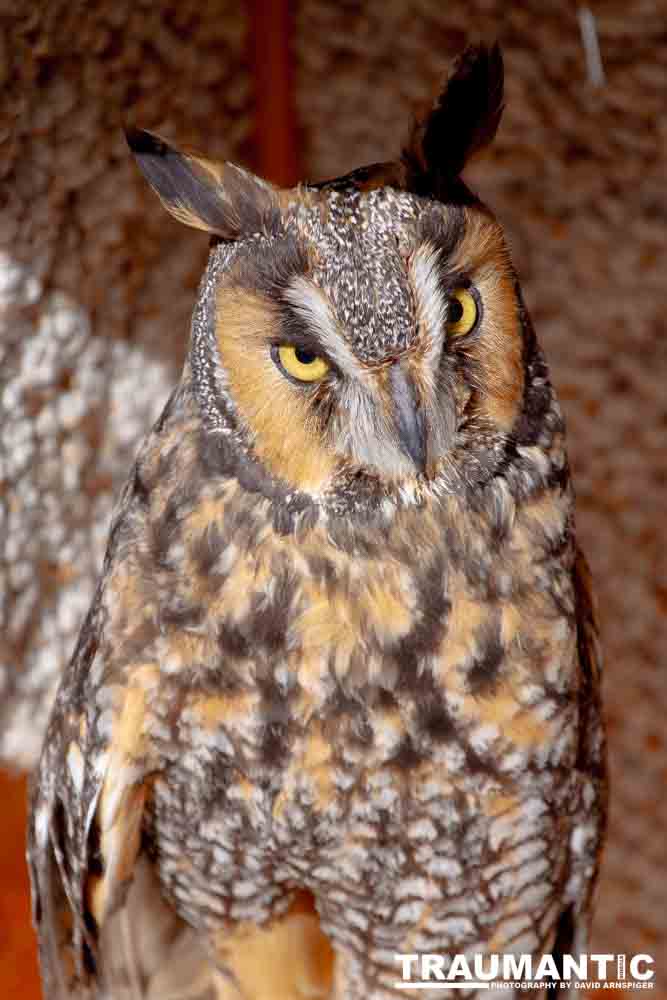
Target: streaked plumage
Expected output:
[337,695]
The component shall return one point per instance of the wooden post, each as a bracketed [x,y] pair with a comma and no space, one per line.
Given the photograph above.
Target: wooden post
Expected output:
[276,134]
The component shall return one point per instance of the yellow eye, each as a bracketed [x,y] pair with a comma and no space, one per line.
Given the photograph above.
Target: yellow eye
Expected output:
[463,313]
[301,364]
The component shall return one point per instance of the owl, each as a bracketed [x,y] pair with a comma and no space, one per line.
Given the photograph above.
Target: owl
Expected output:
[337,696]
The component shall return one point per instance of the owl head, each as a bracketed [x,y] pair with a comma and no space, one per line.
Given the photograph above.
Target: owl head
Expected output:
[363,330]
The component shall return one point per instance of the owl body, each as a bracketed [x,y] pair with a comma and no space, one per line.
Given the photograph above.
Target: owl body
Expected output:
[336,698]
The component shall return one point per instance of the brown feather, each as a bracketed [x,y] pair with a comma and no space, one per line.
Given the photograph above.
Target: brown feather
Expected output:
[216,197]
[463,121]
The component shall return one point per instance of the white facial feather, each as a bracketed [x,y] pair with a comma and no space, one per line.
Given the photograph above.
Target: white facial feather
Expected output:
[363,430]
[368,436]
[311,305]
[431,304]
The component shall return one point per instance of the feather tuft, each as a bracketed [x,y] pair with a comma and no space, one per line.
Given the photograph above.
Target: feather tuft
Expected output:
[463,120]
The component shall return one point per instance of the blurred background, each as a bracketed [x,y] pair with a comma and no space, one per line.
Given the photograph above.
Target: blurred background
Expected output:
[97,284]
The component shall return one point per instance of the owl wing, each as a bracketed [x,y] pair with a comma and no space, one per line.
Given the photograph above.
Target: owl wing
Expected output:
[64,799]
[592,760]
[587,841]
[103,927]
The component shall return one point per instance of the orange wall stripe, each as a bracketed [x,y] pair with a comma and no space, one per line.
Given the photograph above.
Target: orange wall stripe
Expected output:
[19,976]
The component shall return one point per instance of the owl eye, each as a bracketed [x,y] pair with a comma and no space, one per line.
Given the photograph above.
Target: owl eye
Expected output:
[463,312]
[300,364]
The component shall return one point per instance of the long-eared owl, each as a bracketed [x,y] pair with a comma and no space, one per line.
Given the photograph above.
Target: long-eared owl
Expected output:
[337,695]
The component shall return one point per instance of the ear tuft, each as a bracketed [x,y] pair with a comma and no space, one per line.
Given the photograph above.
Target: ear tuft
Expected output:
[463,121]
[219,198]
[142,142]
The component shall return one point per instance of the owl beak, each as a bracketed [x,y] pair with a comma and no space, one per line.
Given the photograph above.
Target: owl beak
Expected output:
[408,416]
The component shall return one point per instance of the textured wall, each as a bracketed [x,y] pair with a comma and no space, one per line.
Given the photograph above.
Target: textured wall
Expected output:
[96,285]
[96,290]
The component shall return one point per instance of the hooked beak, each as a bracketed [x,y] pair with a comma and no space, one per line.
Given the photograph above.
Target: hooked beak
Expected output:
[408,416]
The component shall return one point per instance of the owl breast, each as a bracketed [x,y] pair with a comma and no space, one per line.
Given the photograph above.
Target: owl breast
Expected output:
[396,736]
